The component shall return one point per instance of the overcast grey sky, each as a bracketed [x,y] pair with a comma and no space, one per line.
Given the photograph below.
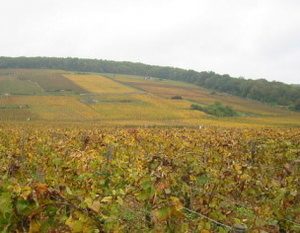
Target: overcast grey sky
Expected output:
[249,38]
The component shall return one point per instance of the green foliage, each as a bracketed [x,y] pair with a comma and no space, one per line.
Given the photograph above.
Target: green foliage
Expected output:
[216,109]
[296,106]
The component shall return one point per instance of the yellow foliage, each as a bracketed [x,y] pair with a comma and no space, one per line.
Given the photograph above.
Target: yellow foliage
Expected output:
[99,84]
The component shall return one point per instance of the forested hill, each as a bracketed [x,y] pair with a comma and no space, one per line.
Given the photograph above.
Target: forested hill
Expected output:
[276,93]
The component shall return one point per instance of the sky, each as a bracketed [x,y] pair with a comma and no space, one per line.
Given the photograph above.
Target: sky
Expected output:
[253,39]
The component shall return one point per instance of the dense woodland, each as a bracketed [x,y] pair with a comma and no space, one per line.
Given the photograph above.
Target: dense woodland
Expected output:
[275,93]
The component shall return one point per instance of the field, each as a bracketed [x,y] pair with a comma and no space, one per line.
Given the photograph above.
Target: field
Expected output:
[98,179]
[108,153]
[110,99]
[168,89]
[142,107]
[99,84]
[36,82]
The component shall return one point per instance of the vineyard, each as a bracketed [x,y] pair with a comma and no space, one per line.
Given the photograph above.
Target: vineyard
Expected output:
[107,153]
[96,179]
[112,99]
[36,82]
[99,84]
[168,89]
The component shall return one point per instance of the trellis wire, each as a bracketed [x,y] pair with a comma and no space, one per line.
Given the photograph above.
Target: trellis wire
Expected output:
[208,218]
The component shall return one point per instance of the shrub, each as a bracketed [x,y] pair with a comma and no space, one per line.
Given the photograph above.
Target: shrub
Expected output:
[176,97]
[216,109]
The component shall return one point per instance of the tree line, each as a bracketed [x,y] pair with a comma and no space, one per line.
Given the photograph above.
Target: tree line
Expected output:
[276,93]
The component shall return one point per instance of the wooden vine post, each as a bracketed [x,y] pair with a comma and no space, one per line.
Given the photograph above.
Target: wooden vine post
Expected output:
[237,228]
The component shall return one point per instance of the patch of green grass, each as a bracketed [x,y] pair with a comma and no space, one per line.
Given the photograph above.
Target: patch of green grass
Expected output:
[15,86]
[54,82]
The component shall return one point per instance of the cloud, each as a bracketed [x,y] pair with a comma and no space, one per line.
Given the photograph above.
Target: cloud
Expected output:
[250,38]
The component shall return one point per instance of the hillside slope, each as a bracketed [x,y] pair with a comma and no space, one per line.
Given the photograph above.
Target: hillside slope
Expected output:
[62,96]
[275,93]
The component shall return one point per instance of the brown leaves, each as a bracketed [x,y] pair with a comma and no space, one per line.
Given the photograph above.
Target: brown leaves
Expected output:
[160,185]
[13,168]
[86,139]
[41,190]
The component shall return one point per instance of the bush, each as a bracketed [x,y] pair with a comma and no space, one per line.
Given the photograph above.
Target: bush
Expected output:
[176,97]
[197,107]
[216,109]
